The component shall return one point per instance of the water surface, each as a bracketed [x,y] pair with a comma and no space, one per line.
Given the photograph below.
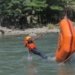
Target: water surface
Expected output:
[14,57]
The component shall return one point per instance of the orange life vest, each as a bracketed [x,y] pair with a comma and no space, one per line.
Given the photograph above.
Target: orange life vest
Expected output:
[30,46]
[74,40]
[66,44]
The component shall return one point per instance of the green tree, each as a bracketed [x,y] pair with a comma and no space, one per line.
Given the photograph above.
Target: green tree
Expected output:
[14,9]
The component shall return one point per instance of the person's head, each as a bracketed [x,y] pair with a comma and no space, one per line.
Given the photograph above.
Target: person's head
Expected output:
[62,15]
[27,38]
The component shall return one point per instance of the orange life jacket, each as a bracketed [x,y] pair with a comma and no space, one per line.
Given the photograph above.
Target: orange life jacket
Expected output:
[66,44]
[74,40]
[30,46]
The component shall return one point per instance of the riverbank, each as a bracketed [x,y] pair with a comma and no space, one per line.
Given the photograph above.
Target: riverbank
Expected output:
[7,31]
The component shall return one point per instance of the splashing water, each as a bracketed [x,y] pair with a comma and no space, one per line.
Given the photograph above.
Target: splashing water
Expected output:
[29,58]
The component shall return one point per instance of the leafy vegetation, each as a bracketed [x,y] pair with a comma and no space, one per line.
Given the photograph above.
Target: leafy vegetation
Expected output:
[33,13]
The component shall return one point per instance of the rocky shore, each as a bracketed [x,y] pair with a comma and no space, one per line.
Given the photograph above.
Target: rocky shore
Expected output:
[5,31]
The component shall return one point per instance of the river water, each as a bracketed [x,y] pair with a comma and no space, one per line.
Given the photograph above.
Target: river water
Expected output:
[14,57]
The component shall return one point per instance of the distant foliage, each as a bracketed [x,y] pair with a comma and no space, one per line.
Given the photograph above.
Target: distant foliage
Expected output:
[31,13]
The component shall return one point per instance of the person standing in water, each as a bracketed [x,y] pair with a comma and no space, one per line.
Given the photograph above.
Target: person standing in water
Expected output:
[66,43]
[30,44]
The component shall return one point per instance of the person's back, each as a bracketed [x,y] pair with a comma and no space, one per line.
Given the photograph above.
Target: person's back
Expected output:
[66,40]
[31,45]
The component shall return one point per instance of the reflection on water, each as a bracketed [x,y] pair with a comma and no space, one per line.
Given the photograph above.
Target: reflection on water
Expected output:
[71,59]
[32,69]
[66,69]
[14,58]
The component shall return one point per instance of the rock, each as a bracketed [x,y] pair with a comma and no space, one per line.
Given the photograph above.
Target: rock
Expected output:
[2,32]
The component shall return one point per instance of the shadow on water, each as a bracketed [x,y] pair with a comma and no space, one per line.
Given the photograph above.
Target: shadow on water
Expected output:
[66,69]
[32,68]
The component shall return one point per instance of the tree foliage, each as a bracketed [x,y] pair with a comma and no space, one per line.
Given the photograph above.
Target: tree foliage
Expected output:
[19,8]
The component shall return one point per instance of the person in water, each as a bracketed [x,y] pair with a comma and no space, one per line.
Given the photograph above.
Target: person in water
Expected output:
[30,44]
[66,43]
